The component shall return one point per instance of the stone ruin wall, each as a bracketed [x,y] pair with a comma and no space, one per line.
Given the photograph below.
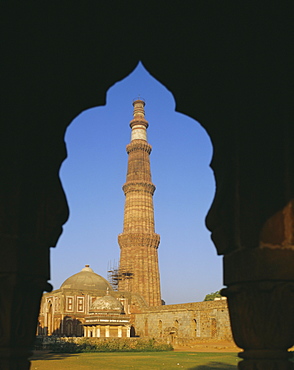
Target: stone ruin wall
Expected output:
[188,322]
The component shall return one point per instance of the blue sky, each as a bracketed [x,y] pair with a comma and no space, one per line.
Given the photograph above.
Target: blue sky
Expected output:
[95,170]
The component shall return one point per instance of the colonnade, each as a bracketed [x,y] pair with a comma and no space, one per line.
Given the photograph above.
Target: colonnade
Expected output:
[99,331]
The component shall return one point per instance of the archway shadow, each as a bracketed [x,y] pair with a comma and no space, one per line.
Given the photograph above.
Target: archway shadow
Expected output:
[48,355]
[214,366]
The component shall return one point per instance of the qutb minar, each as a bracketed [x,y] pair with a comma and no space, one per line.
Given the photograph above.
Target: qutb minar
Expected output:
[138,267]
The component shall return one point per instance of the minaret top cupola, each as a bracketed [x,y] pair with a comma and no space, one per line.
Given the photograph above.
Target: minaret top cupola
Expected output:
[139,124]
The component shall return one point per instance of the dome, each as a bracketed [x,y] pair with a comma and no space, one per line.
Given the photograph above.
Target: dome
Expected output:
[86,279]
[107,303]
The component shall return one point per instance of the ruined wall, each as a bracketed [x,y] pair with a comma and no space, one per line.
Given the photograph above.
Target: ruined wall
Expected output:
[191,321]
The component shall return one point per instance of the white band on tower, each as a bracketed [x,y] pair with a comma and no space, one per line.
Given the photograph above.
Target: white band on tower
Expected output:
[138,123]
[139,132]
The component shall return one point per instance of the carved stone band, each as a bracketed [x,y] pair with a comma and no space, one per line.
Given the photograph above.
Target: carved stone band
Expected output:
[137,239]
[258,265]
[139,145]
[139,186]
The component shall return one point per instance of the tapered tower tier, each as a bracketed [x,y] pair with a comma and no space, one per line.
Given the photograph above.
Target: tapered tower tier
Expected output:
[138,268]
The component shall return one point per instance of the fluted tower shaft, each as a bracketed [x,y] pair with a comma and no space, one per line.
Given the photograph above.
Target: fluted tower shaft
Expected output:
[138,268]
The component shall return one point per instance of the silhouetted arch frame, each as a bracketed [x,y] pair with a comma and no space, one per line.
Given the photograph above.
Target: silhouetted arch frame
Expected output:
[232,78]
[230,156]
[223,77]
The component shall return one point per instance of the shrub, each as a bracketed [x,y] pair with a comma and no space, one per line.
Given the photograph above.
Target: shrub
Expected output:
[75,345]
[64,346]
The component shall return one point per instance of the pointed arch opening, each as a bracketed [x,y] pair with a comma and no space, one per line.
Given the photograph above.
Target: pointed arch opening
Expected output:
[95,171]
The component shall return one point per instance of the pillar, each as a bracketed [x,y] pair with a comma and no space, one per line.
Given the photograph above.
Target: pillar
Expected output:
[261,301]
[252,225]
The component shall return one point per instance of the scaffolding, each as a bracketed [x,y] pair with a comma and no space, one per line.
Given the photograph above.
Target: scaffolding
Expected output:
[116,274]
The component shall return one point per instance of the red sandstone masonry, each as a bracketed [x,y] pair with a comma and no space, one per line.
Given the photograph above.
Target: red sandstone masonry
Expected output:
[139,242]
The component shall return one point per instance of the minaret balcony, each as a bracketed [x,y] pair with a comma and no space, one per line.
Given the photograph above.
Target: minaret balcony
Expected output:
[139,186]
[138,144]
[139,121]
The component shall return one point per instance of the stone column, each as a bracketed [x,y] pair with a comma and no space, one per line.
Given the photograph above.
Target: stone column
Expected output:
[261,301]
[19,314]
[107,331]
[62,325]
[252,224]
[32,212]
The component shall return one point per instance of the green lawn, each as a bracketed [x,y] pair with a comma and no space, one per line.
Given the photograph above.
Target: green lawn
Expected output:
[136,361]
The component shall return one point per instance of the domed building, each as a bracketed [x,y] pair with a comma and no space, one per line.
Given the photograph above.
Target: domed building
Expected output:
[107,304]
[86,279]
[107,319]
[86,293]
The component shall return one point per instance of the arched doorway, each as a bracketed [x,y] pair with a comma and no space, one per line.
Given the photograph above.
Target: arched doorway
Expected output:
[194,328]
[68,327]
[160,328]
[132,331]
[213,327]
[146,331]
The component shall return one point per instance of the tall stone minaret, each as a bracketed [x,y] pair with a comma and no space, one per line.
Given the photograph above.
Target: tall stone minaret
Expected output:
[138,268]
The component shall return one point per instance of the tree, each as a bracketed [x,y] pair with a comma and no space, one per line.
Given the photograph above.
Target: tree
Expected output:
[211,296]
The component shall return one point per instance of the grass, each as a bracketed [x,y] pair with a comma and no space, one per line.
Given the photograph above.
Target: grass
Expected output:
[136,361]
